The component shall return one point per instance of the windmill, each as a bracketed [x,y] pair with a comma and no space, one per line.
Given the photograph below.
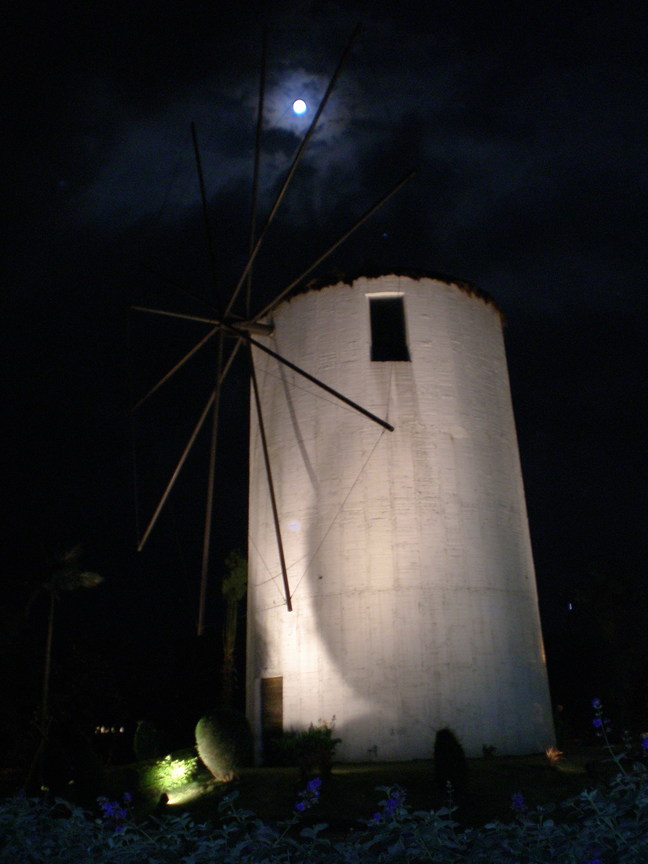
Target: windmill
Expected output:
[391,582]
[234,332]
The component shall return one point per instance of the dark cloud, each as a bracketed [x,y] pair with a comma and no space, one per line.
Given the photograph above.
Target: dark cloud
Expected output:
[526,126]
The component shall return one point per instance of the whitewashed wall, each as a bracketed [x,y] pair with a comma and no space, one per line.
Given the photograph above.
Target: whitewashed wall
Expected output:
[408,552]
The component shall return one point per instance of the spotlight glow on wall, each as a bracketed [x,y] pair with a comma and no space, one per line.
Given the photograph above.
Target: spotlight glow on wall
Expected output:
[411,574]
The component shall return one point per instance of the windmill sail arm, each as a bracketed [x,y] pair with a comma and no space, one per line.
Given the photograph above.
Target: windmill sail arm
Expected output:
[177,469]
[253,325]
[312,379]
[203,197]
[367,215]
[176,367]
[209,504]
[168,314]
[287,180]
[271,488]
[249,326]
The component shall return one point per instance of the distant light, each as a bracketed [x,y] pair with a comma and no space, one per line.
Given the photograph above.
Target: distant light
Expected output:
[570,606]
[299,106]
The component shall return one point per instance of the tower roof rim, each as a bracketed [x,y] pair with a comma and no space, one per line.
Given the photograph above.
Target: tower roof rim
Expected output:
[350,278]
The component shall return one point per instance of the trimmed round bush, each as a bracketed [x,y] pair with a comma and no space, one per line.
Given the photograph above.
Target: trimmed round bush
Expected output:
[224,742]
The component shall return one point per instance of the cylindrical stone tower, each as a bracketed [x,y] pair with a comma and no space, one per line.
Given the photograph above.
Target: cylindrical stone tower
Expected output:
[408,552]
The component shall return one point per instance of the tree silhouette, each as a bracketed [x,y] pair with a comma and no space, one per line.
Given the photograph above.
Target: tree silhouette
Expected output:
[67,575]
[233,588]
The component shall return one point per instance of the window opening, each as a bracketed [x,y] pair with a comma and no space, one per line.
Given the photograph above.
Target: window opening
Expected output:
[388,338]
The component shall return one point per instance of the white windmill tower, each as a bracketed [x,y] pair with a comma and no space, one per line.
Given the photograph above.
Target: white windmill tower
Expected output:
[408,555]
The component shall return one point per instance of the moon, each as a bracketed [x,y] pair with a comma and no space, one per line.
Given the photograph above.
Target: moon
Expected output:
[299,106]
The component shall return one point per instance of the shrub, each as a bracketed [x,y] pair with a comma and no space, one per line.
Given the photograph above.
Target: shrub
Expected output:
[224,742]
[608,825]
[450,766]
[312,749]
[69,764]
[146,742]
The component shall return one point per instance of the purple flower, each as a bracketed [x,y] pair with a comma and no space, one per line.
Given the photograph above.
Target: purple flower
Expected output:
[110,808]
[596,703]
[310,795]
[394,801]
[517,801]
[596,856]
[313,785]
[644,741]
[597,722]
[377,817]
[114,813]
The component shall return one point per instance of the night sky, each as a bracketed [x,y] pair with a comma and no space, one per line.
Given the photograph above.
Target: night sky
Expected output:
[526,126]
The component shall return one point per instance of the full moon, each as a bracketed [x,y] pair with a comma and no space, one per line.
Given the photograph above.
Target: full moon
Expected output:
[299,106]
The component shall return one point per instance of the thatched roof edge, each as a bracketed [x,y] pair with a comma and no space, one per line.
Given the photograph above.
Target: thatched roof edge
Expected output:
[348,278]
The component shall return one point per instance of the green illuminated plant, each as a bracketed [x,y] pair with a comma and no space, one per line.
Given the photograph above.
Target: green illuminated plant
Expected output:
[168,773]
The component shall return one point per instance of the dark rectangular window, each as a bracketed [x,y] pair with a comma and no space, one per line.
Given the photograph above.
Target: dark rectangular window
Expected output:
[271,717]
[388,339]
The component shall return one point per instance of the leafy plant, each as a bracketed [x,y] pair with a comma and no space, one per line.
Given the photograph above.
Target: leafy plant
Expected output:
[628,755]
[607,825]
[554,755]
[311,749]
